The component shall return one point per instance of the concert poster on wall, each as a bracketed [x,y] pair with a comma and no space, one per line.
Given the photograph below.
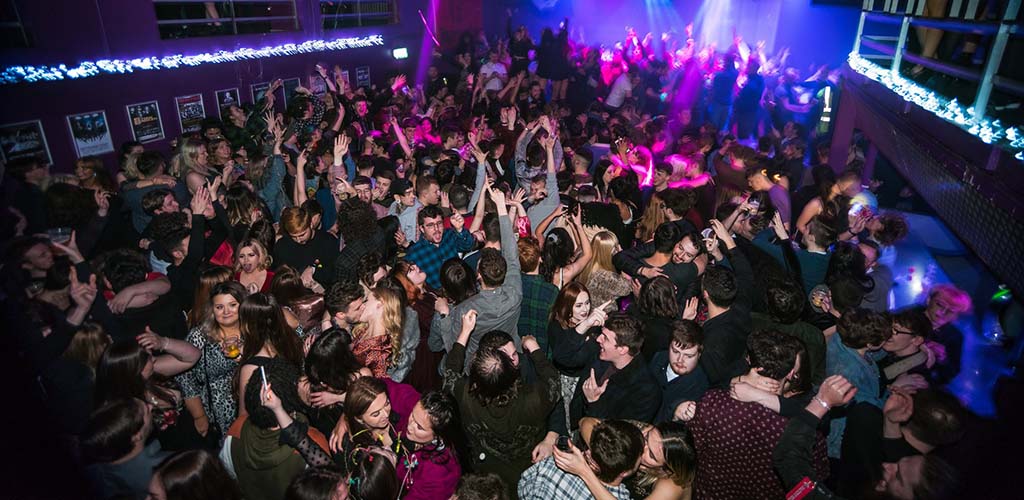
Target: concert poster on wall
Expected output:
[258,91]
[225,99]
[289,89]
[317,85]
[363,76]
[191,112]
[91,133]
[24,140]
[144,118]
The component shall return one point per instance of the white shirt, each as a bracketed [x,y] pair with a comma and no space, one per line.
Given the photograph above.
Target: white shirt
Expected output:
[487,69]
[617,96]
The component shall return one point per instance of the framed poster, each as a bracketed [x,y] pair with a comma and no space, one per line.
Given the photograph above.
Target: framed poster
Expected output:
[225,99]
[24,140]
[144,117]
[363,76]
[317,85]
[191,112]
[289,89]
[258,90]
[90,133]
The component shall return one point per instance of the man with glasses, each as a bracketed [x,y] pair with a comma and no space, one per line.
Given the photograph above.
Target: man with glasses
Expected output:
[437,244]
[904,352]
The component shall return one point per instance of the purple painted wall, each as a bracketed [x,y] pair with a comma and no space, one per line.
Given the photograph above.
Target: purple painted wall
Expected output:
[70,32]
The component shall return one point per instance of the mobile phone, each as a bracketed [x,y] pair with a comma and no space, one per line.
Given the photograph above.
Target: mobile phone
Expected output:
[563,444]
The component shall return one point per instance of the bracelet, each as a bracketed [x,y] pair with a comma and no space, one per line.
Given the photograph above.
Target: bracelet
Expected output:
[820,401]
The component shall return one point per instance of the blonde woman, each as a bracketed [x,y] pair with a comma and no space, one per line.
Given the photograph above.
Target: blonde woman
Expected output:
[600,276]
[653,216]
[192,163]
[252,266]
[377,340]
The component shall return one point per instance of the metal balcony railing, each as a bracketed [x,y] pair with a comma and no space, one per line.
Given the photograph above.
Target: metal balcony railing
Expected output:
[875,33]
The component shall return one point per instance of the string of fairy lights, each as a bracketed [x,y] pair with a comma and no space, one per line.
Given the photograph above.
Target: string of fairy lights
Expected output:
[989,131]
[34,74]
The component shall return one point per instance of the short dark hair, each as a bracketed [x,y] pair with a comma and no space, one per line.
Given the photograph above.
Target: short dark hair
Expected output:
[914,319]
[459,197]
[482,487]
[824,234]
[424,182]
[629,331]
[341,294]
[493,378]
[894,228]
[720,284]
[283,376]
[149,163]
[362,180]
[109,433]
[19,167]
[314,483]
[939,480]
[492,227]
[154,200]
[938,418]
[615,446]
[773,353]
[666,236]
[859,328]
[679,200]
[687,333]
[428,212]
[492,267]
[785,301]
[124,267]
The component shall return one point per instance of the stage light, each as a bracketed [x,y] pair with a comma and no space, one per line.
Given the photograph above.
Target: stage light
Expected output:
[31,74]
[400,53]
[989,131]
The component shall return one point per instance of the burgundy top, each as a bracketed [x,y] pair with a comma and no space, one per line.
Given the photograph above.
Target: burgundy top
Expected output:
[735,441]
[266,281]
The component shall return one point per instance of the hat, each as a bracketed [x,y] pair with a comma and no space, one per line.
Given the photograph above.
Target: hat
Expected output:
[400,186]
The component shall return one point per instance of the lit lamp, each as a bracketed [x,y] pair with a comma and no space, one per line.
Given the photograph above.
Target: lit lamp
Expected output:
[400,53]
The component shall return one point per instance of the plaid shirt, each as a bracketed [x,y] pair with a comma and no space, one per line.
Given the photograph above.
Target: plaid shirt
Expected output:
[538,297]
[545,481]
[429,256]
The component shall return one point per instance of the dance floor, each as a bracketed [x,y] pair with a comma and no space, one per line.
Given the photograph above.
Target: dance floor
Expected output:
[944,259]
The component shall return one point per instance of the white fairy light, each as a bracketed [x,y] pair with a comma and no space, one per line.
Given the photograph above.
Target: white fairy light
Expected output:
[32,74]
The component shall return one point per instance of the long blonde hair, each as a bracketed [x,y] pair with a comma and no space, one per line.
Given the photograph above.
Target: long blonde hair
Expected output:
[187,158]
[604,246]
[391,317]
[654,216]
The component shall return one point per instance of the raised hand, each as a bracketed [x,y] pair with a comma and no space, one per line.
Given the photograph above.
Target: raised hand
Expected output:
[469,321]
[690,311]
[458,222]
[150,341]
[591,389]
[722,233]
[341,144]
[83,294]
[269,399]
[102,202]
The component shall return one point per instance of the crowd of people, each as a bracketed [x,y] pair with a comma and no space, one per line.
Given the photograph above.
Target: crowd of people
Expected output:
[551,271]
